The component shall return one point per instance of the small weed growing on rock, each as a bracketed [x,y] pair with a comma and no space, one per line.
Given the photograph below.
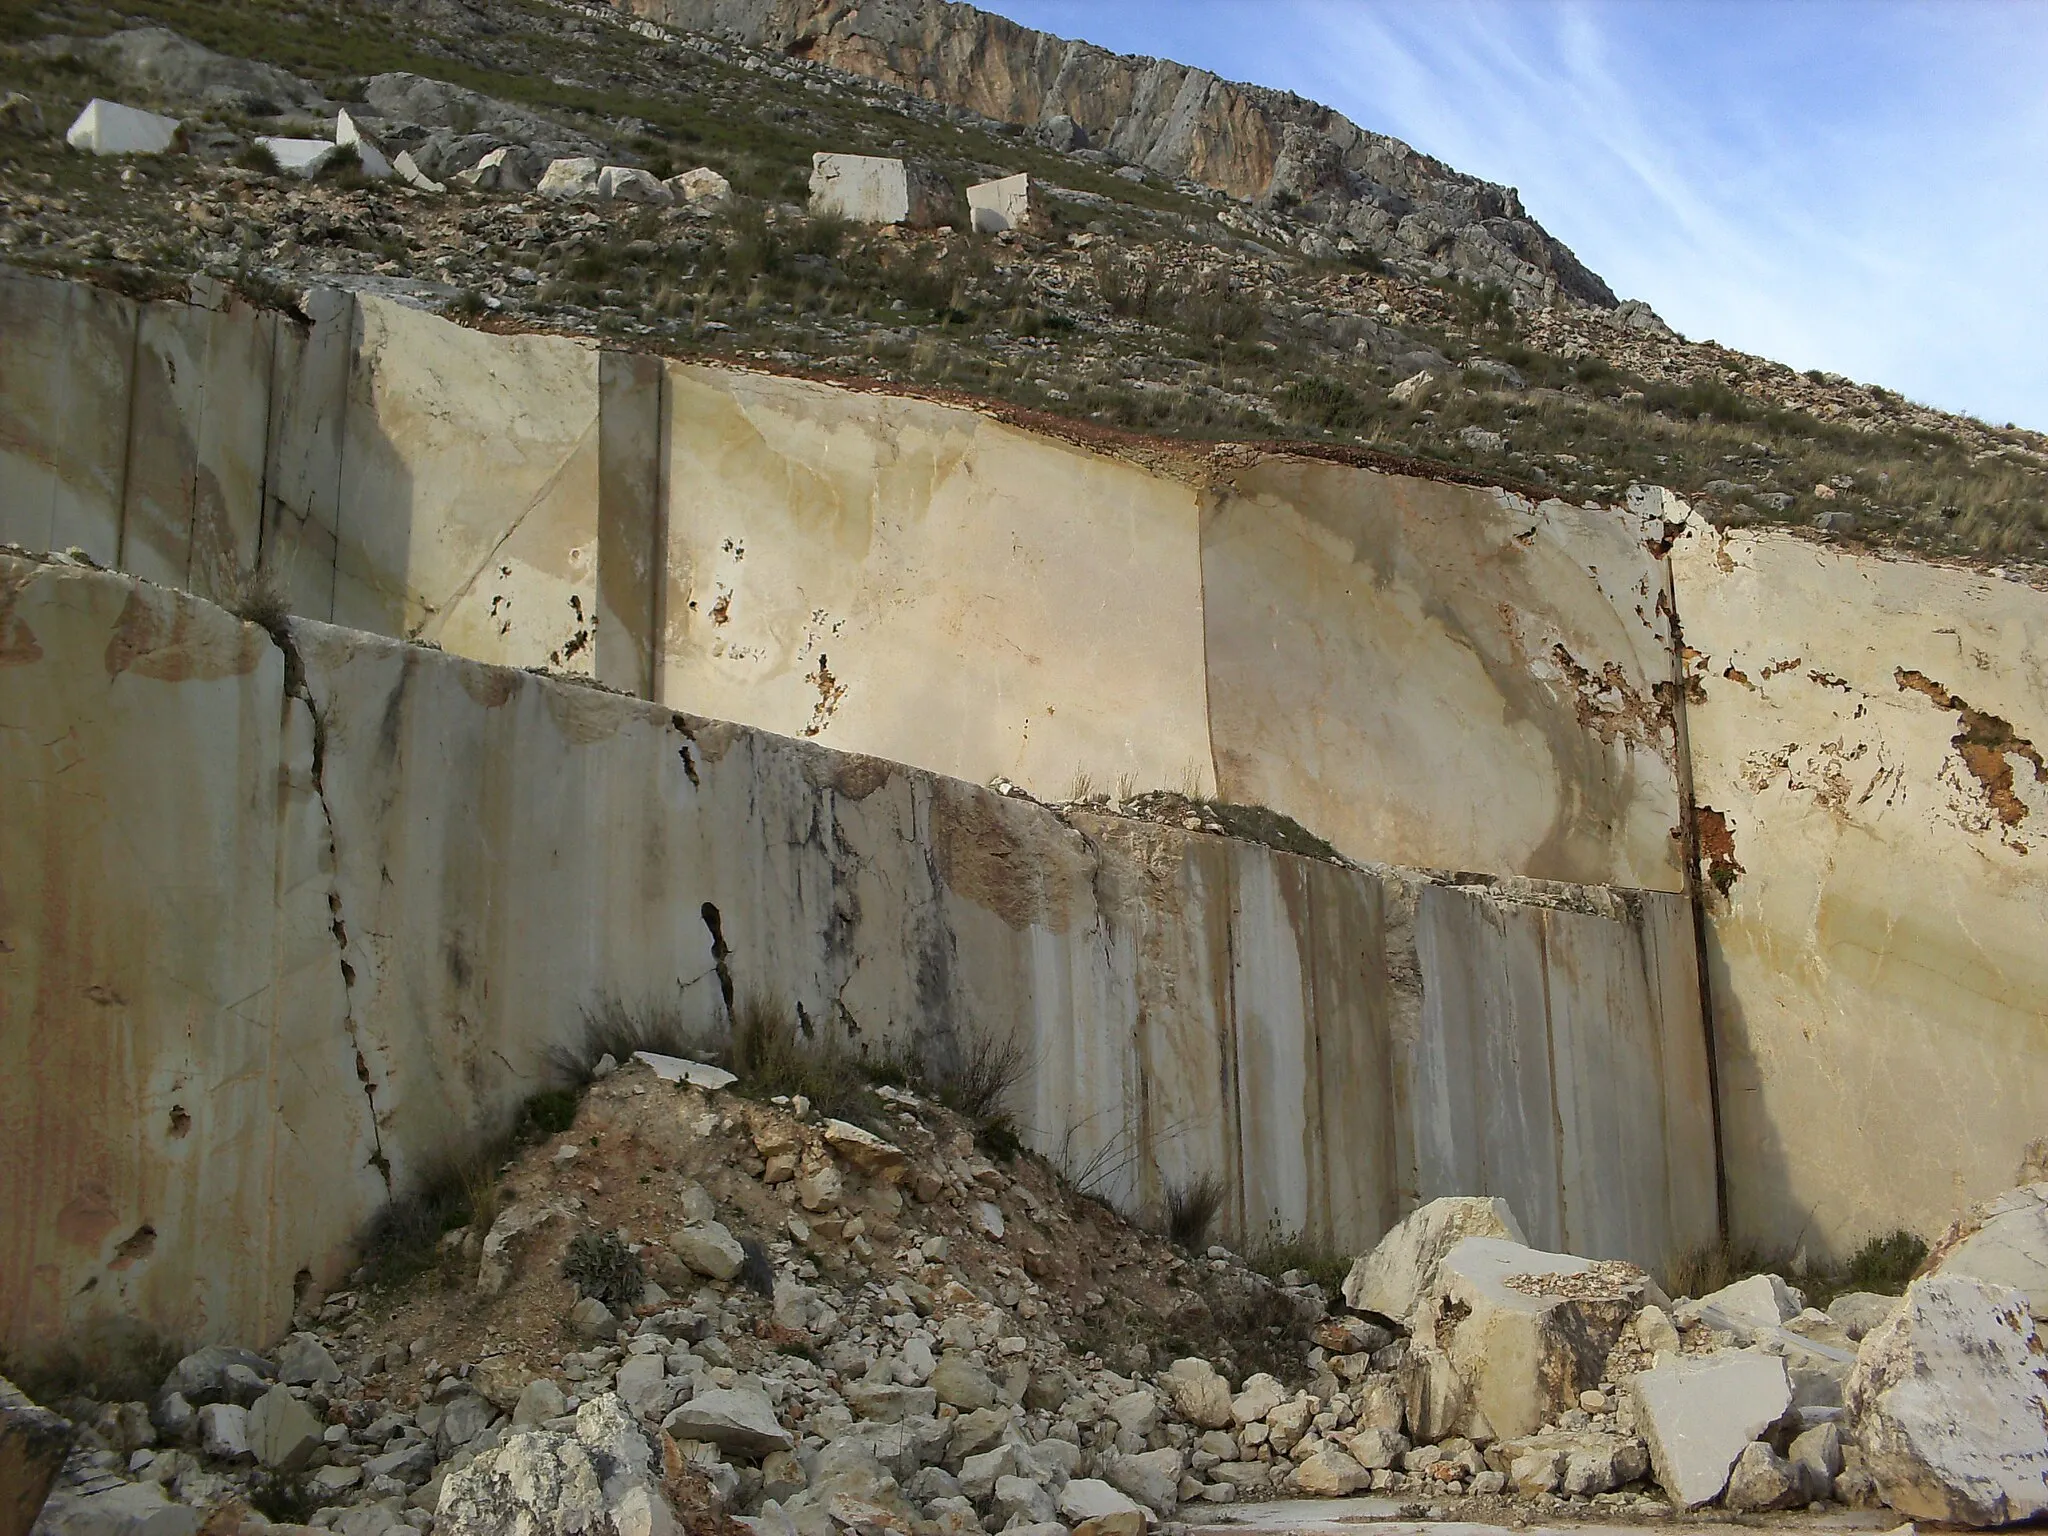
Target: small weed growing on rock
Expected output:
[111,1360]
[1276,1253]
[404,1240]
[601,1265]
[615,1028]
[548,1113]
[771,1055]
[1191,1210]
[257,157]
[257,596]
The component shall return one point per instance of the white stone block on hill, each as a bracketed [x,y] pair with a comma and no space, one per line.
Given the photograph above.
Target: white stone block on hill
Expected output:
[874,189]
[410,173]
[575,177]
[299,157]
[108,128]
[1949,1402]
[701,185]
[348,132]
[1697,1412]
[625,184]
[1004,204]
[1398,1273]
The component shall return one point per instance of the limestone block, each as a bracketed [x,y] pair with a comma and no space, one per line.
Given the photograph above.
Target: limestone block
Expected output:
[598,1478]
[871,189]
[700,186]
[1949,1404]
[1527,1331]
[299,157]
[1576,1462]
[33,1445]
[572,177]
[1746,1308]
[502,170]
[1401,1270]
[641,1383]
[867,1152]
[1003,204]
[1090,1498]
[108,128]
[736,1418]
[1760,1480]
[626,184]
[1856,1313]
[1260,1396]
[348,132]
[282,1432]
[409,172]
[698,1074]
[2004,1240]
[1697,1412]
[1199,1394]
[961,1382]
[126,1509]
[1833,701]
[709,1248]
[1152,1478]
[1330,1474]
[224,1431]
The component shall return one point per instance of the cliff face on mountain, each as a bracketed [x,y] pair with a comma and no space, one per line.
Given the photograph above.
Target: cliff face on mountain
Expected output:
[1261,145]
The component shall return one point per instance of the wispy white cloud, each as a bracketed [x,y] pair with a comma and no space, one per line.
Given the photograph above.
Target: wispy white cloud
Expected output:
[1855,186]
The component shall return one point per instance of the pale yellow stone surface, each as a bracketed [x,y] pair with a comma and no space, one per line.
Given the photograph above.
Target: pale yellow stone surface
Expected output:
[1436,675]
[1879,975]
[469,492]
[913,580]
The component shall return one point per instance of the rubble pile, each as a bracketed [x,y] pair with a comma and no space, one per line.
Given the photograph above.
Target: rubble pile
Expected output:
[692,1307]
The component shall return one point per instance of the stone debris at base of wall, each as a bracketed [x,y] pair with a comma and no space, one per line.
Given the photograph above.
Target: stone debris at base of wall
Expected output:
[108,128]
[874,189]
[883,1356]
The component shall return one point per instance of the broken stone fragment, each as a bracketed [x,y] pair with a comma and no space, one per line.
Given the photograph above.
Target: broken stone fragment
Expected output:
[1330,1474]
[1199,1394]
[33,1444]
[1394,1278]
[709,1248]
[282,1432]
[348,133]
[1746,1308]
[626,184]
[738,1418]
[1949,1404]
[410,173]
[1526,1331]
[866,1151]
[700,186]
[2004,1240]
[574,178]
[303,1361]
[1697,1412]
[1761,1480]
[598,1479]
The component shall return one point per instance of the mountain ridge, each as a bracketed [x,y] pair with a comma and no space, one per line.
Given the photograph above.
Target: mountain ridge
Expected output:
[1253,142]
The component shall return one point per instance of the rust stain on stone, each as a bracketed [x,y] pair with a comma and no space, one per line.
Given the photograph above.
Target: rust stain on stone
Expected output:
[985,856]
[1986,744]
[18,645]
[1609,705]
[181,646]
[88,1216]
[830,692]
[1717,847]
[856,777]
[489,686]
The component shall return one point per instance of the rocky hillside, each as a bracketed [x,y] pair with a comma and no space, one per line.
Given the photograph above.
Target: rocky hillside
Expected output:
[686,1300]
[1142,300]
[1271,149]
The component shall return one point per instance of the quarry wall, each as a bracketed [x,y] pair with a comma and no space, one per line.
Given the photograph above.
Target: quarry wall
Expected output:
[272,948]
[1864,746]
[1428,675]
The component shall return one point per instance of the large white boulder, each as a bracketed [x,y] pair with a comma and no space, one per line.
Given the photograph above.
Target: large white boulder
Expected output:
[1526,1331]
[1949,1403]
[1697,1412]
[1746,1308]
[737,1418]
[1000,205]
[874,189]
[598,1480]
[572,178]
[1199,1393]
[1393,1279]
[409,172]
[700,186]
[498,171]
[2004,1239]
[627,184]
[108,128]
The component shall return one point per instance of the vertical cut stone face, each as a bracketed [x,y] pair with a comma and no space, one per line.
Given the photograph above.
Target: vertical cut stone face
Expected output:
[915,581]
[1870,748]
[469,503]
[1442,676]
[64,398]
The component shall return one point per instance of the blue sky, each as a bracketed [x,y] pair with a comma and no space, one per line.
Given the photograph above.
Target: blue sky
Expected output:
[1861,187]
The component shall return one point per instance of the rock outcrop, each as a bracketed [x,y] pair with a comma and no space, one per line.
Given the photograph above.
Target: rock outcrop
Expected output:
[1261,145]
